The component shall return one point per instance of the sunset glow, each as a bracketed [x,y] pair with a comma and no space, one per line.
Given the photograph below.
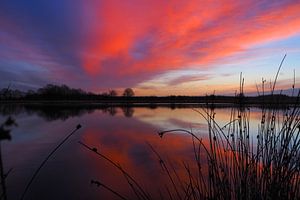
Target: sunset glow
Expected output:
[156,47]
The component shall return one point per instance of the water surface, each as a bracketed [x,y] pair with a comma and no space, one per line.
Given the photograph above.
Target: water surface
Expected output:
[121,134]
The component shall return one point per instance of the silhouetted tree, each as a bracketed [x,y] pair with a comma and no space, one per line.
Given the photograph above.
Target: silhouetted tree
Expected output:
[112,93]
[128,92]
[104,94]
[62,92]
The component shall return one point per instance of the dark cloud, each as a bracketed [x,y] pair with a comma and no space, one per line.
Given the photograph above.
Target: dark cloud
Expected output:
[189,78]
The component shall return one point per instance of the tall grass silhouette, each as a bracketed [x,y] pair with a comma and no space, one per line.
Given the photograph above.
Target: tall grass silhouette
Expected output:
[5,129]
[43,163]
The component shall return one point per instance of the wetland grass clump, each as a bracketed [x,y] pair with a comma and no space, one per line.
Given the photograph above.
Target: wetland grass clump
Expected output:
[241,165]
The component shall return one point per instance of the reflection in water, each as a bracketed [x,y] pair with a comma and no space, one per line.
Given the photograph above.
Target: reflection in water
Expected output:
[52,112]
[61,112]
[123,139]
[112,111]
[128,111]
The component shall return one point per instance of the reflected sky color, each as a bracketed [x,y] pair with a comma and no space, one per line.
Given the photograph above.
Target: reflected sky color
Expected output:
[67,175]
[157,47]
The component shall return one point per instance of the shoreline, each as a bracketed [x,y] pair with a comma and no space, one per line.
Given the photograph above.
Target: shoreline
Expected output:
[149,100]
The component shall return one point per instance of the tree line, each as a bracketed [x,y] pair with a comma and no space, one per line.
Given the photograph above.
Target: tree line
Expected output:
[52,92]
[59,92]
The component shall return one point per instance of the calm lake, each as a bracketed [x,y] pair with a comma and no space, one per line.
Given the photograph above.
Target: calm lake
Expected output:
[122,134]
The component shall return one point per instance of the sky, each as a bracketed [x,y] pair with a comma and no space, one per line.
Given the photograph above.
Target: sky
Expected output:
[156,47]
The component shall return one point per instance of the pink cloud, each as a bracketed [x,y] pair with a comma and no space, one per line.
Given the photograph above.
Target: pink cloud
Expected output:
[176,34]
